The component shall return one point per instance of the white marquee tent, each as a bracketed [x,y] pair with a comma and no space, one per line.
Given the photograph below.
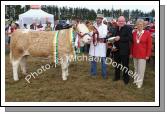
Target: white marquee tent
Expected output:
[35,15]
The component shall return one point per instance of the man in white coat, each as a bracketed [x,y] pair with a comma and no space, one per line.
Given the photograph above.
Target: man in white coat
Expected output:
[98,46]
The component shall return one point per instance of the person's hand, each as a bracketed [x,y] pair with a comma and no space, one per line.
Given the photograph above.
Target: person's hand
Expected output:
[117,38]
[95,30]
[109,34]
[114,49]
[108,46]
[147,58]
[130,56]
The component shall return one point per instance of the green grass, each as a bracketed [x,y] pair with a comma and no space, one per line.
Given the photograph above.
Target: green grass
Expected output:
[49,86]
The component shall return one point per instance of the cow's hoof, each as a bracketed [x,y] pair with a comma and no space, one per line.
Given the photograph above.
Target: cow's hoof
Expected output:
[64,78]
[25,73]
[16,80]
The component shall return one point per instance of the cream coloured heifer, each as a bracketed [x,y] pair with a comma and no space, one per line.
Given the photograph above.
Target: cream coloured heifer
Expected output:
[50,44]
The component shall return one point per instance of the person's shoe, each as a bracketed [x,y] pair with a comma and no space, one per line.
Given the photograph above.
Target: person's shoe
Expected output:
[126,81]
[93,76]
[104,77]
[116,79]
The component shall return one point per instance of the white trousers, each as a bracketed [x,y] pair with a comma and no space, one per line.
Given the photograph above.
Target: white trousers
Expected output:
[140,66]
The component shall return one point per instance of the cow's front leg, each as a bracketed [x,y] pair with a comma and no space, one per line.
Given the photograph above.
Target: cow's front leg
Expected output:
[23,65]
[64,67]
[15,65]
[67,74]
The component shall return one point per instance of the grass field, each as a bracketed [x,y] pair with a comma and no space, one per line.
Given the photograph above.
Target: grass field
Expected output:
[49,87]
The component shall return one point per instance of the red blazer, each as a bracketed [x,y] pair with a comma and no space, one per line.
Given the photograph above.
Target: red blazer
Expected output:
[144,48]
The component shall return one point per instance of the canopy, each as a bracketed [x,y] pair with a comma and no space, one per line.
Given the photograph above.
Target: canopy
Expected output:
[35,15]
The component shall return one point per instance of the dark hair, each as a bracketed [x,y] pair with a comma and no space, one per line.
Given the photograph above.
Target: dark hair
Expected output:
[25,25]
[48,22]
[17,25]
[40,26]
[114,24]
[87,22]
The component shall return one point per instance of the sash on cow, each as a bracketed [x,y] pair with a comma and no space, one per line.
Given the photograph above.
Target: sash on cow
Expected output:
[70,41]
[55,47]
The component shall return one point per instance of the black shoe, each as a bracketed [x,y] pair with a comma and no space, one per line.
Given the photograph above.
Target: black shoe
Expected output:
[126,81]
[116,79]
[104,78]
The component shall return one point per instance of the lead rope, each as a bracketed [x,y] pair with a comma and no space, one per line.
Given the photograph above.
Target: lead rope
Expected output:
[95,37]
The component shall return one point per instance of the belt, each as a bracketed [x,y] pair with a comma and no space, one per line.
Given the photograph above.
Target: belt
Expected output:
[101,40]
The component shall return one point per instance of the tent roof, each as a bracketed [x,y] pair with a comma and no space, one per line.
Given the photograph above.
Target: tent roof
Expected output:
[35,13]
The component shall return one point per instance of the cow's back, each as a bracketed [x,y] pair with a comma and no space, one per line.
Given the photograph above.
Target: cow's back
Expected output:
[35,43]
[40,43]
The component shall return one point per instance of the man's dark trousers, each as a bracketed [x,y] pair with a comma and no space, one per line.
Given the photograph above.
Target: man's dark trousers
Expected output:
[122,65]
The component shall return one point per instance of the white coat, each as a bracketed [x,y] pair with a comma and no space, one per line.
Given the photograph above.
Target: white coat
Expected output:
[100,49]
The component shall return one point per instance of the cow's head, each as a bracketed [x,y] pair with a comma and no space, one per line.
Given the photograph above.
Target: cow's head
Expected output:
[84,33]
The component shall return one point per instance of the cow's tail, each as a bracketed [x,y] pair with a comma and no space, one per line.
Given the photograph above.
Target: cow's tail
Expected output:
[10,56]
[11,47]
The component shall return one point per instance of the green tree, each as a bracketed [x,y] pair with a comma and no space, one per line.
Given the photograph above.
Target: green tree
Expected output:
[99,11]
[152,13]
[17,12]
[126,14]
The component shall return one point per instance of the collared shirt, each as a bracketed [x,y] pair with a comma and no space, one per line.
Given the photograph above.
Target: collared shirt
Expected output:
[139,34]
[102,29]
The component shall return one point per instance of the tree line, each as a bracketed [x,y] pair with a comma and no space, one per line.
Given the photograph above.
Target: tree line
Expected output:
[12,12]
